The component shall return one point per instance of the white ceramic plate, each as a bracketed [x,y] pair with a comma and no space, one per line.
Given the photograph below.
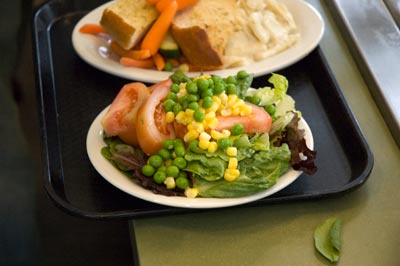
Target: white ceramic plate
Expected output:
[95,51]
[94,143]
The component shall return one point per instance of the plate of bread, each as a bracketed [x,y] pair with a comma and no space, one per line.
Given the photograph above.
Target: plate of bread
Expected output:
[217,37]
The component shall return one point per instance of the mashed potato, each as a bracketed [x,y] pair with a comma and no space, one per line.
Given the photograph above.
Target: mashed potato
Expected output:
[266,28]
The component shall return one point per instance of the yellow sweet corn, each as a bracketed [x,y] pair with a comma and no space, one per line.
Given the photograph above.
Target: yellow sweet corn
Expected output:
[212,147]
[169,117]
[231,151]
[204,136]
[231,174]
[191,135]
[191,192]
[232,163]
[203,144]
[170,182]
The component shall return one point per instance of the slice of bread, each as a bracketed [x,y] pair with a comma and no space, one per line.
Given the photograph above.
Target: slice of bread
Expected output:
[203,30]
[127,21]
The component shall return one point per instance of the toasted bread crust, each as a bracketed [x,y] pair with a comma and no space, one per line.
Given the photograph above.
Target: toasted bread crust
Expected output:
[203,30]
[196,46]
[127,21]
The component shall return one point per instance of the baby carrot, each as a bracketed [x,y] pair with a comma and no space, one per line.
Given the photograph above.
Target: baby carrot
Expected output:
[162,4]
[116,48]
[92,29]
[185,3]
[159,29]
[129,62]
[159,61]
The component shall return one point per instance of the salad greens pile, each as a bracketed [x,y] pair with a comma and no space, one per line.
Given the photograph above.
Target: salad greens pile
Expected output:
[262,158]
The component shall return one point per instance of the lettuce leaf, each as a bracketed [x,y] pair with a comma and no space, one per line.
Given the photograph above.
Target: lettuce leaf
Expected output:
[258,173]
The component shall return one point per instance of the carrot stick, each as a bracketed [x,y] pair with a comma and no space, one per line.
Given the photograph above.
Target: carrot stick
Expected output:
[159,61]
[92,29]
[185,3]
[159,29]
[116,48]
[139,54]
[162,4]
[129,62]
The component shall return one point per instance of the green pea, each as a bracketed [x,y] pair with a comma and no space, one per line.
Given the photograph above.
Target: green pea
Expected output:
[168,105]
[179,143]
[198,115]
[164,153]
[270,108]
[223,143]
[148,170]
[219,87]
[182,182]
[172,170]
[255,100]
[207,93]
[193,105]
[231,80]
[168,144]
[175,88]
[202,84]
[193,144]
[180,151]
[156,161]
[184,102]
[179,162]
[191,87]
[207,102]
[192,98]
[159,177]
[172,96]
[237,129]
[177,108]
[242,74]
[231,89]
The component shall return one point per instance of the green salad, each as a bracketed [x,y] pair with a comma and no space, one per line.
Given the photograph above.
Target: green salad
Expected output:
[230,140]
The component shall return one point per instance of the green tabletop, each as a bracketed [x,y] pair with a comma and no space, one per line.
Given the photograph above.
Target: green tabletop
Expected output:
[282,234]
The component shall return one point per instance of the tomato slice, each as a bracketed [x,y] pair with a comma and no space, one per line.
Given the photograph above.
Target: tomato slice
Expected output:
[259,121]
[120,119]
[151,127]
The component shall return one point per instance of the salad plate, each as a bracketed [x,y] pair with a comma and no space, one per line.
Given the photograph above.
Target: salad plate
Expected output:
[95,142]
[95,51]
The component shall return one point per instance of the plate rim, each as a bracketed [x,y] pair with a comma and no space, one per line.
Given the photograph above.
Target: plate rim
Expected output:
[80,41]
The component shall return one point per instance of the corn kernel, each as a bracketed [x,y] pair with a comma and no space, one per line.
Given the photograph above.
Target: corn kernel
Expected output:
[191,135]
[231,174]
[217,100]
[211,123]
[184,68]
[235,111]
[231,151]
[226,133]
[170,182]
[233,163]
[180,117]
[216,134]
[232,98]
[245,110]
[214,107]
[204,136]
[196,126]
[203,144]
[191,192]
[226,112]
[224,98]
[212,147]
[169,117]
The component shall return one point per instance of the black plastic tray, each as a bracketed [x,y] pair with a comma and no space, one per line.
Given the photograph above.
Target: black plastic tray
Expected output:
[71,93]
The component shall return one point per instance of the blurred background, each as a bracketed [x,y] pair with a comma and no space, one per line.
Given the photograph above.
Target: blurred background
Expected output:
[33,230]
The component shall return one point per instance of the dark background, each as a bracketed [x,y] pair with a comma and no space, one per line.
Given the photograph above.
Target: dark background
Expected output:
[34,231]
